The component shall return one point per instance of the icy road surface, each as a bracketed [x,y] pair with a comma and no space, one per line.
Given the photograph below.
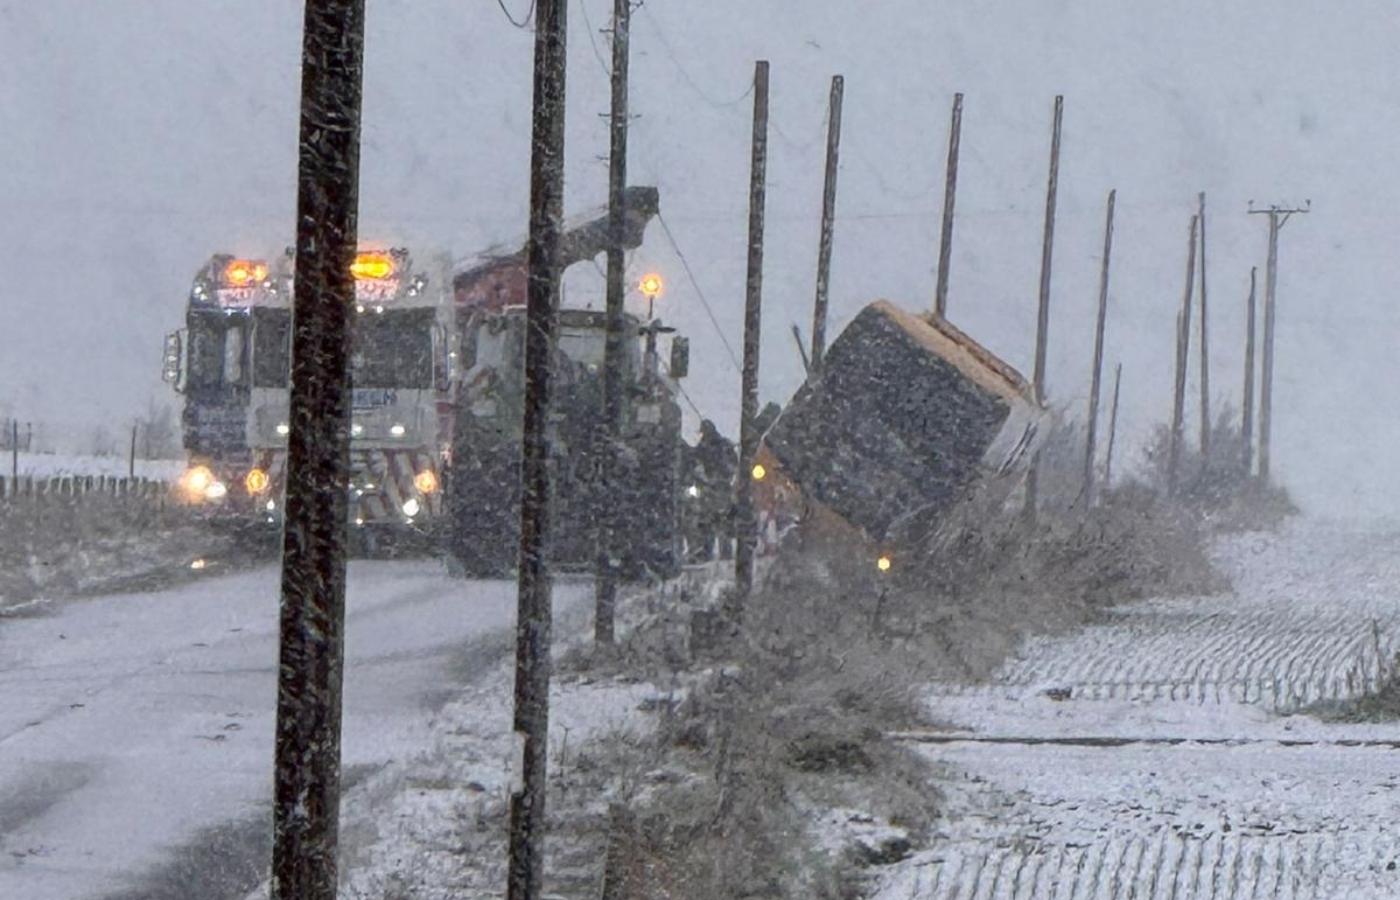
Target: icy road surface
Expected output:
[128,723]
[1160,754]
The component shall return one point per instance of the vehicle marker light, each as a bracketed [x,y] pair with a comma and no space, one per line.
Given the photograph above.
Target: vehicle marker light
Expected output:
[257,481]
[425,481]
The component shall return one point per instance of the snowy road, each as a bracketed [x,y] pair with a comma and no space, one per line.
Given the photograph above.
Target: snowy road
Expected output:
[129,723]
[1158,754]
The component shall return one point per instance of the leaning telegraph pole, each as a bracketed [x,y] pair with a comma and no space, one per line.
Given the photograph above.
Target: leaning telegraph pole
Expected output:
[1247,409]
[1097,376]
[950,195]
[525,879]
[746,528]
[306,805]
[1278,217]
[1205,346]
[833,155]
[1042,328]
[1183,350]
[606,575]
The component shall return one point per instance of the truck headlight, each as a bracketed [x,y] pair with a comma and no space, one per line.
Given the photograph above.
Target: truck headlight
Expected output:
[411,507]
[397,430]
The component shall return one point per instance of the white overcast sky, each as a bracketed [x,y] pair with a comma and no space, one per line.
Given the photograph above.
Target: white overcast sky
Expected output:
[137,137]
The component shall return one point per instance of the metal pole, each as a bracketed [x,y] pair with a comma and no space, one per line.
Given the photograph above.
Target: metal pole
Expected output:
[14,449]
[1112,427]
[950,195]
[1097,375]
[525,878]
[131,458]
[746,528]
[1266,386]
[606,572]
[307,780]
[1247,414]
[1183,349]
[833,154]
[1043,310]
[1205,347]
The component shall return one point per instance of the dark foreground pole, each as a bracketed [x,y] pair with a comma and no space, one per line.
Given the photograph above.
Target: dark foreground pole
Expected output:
[306,805]
[833,155]
[1097,377]
[525,879]
[606,574]
[1247,408]
[1042,327]
[950,196]
[746,528]
[1183,350]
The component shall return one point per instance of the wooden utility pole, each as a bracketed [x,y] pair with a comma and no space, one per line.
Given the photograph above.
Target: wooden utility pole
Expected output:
[1247,411]
[1278,217]
[950,195]
[1042,329]
[833,155]
[306,804]
[1097,375]
[131,457]
[746,528]
[1183,350]
[606,575]
[1112,426]
[14,451]
[1205,347]
[534,616]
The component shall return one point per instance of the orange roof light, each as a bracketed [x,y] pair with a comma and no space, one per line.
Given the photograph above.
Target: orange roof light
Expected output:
[245,272]
[372,265]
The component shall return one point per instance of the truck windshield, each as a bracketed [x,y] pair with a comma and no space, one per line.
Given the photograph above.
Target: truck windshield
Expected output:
[216,350]
[394,349]
[272,347]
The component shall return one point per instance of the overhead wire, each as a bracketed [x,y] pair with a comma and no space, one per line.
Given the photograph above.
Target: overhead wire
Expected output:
[685,265]
[529,14]
[592,40]
[685,75]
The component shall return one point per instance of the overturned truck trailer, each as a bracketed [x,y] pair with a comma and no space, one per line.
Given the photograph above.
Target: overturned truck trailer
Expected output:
[908,415]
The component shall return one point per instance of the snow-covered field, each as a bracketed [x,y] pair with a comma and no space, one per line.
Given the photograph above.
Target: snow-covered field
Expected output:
[58,465]
[1159,755]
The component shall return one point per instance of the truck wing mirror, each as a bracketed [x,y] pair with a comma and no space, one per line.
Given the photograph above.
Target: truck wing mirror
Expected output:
[172,364]
[680,357]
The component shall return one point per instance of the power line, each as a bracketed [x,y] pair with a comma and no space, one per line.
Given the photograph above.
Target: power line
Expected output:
[529,14]
[694,86]
[666,229]
[592,39]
